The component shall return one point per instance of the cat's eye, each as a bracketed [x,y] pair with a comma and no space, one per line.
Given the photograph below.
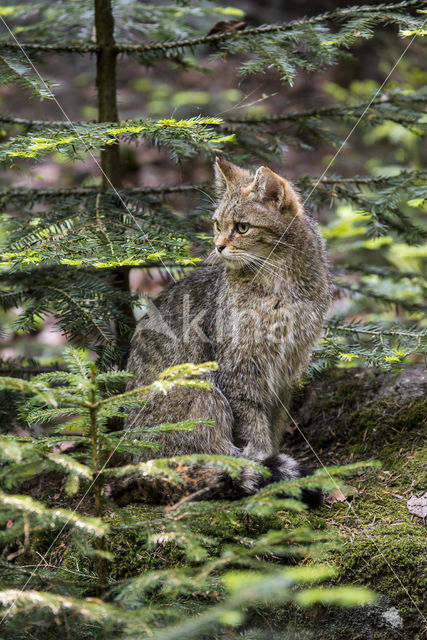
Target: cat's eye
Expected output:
[242,227]
[217,226]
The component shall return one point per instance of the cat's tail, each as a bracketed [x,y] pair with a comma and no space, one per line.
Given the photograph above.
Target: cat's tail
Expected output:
[281,467]
[202,483]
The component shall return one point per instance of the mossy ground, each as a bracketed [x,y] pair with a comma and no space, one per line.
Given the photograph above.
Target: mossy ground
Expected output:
[131,556]
[384,547]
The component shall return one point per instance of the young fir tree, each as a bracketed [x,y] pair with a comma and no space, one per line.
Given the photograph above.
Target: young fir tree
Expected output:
[81,401]
[69,251]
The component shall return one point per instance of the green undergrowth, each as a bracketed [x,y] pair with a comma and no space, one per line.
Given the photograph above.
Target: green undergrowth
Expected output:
[132,557]
[380,545]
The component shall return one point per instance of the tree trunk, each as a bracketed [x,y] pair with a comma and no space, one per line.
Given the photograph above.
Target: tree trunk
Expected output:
[107,89]
[110,156]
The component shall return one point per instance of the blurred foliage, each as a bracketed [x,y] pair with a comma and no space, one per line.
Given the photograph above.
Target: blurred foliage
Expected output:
[381,224]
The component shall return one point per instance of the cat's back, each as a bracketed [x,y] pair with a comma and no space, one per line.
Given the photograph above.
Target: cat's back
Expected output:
[177,325]
[199,290]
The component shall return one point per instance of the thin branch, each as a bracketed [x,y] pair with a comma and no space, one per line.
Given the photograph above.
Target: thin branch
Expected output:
[21,367]
[77,47]
[272,28]
[35,193]
[82,311]
[28,122]
[81,47]
[87,191]
[383,272]
[418,173]
[373,332]
[323,111]
[368,293]
[246,120]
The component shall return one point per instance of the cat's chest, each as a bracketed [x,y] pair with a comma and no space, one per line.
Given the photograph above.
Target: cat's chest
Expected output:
[258,325]
[255,344]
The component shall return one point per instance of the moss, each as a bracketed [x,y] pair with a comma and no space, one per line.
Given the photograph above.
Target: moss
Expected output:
[333,403]
[129,547]
[391,565]
[330,623]
[346,412]
[385,423]
[382,547]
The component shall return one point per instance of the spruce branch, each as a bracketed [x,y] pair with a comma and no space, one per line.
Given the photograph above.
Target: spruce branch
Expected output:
[34,508]
[265,29]
[320,112]
[30,194]
[27,194]
[81,310]
[355,327]
[382,11]
[77,47]
[24,367]
[384,101]
[32,123]
[184,137]
[416,174]
[365,291]
[383,345]
[382,272]
[15,70]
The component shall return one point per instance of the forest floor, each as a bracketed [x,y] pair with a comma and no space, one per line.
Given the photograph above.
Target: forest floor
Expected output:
[348,415]
[354,415]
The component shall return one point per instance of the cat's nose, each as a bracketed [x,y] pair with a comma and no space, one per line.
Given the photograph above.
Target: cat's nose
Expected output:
[220,247]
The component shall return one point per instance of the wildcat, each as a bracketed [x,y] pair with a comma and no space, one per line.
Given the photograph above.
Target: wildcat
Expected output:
[256,312]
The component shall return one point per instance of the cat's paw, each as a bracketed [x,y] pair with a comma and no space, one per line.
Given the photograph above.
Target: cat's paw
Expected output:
[233,451]
[252,453]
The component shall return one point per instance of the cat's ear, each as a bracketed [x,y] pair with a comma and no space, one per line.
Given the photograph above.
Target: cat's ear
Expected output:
[269,186]
[226,174]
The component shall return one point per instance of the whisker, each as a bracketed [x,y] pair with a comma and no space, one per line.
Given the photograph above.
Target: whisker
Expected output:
[274,268]
[274,265]
[248,259]
[257,260]
[254,262]
[212,258]
[263,262]
[209,197]
[260,264]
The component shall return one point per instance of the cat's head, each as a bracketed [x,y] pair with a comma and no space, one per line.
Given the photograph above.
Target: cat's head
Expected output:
[255,214]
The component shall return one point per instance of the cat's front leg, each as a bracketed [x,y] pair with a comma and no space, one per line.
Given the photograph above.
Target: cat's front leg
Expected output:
[251,429]
[245,391]
[253,452]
